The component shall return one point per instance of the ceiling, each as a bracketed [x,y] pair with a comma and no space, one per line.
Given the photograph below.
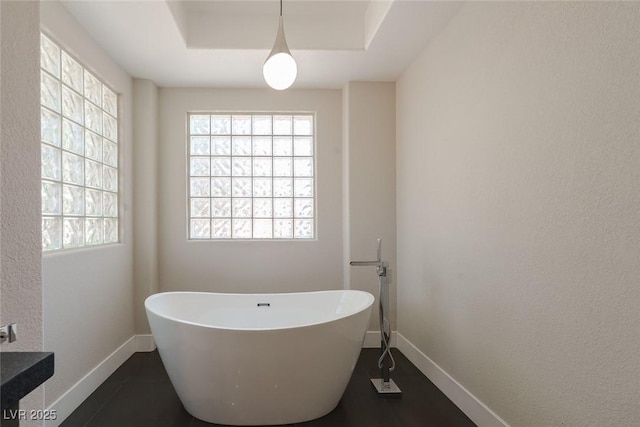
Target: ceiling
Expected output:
[224,43]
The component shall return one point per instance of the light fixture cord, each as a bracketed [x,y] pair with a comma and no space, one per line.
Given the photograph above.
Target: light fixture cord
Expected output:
[281,8]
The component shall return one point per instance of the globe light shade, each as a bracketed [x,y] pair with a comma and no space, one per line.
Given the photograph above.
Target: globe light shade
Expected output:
[280,70]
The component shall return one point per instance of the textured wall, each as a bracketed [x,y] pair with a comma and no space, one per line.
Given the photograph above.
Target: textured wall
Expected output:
[145,135]
[20,244]
[248,266]
[370,207]
[518,208]
[88,292]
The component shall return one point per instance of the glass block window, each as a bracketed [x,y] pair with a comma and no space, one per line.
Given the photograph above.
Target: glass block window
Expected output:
[79,132]
[251,176]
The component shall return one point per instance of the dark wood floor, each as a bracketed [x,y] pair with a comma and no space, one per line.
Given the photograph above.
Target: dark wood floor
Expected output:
[139,394]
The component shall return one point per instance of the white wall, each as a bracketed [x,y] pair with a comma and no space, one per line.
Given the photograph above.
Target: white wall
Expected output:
[248,266]
[518,203]
[370,203]
[20,241]
[145,135]
[88,293]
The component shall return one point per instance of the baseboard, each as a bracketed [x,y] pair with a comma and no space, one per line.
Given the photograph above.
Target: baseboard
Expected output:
[372,339]
[145,343]
[72,398]
[477,411]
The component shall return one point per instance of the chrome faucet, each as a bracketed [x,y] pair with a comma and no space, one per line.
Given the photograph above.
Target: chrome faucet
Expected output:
[381,269]
[385,385]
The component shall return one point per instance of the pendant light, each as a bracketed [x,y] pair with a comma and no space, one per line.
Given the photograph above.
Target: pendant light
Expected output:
[280,69]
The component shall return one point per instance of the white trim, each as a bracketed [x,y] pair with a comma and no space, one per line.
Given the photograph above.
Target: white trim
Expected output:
[72,398]
[477,411]
[145,343]
[372,339]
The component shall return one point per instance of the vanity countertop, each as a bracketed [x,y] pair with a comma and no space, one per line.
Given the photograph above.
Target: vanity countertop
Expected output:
[21,373]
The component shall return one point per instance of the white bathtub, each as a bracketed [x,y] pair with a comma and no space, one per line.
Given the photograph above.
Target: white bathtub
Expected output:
[235,360]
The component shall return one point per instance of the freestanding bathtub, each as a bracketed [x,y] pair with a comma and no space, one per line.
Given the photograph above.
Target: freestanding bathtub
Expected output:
[255,359]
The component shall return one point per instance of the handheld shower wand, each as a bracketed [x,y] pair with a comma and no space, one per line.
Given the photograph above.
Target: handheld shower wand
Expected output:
[385,385]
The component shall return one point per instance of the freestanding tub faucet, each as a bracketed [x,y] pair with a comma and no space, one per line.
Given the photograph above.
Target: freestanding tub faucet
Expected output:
[385,385]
